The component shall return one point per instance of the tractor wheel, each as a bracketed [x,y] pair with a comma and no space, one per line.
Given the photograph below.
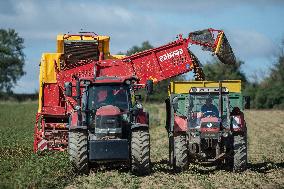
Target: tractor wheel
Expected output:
[171,150]
[140,152]
[180,153]
[239,159]
[78,151]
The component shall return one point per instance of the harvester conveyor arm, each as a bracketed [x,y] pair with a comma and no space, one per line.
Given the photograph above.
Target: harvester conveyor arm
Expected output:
[172,59]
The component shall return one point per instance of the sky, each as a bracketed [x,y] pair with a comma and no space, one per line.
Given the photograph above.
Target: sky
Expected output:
[255,28]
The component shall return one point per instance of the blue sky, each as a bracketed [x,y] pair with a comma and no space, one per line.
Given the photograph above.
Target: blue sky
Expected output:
[254,27]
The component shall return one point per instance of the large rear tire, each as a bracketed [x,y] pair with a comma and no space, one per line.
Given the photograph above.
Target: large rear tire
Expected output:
[239,159]
[140,152]
[78,151]
[180,153]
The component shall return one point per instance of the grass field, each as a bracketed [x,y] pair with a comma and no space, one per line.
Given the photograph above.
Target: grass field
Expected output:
[20,168]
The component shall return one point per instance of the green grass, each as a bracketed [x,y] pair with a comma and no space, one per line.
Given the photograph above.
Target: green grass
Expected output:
[20,168]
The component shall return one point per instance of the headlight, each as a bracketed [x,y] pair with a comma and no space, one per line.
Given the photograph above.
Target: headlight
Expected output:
[139,106]
[77,107]
[128,82]
[125,117]
[225,134]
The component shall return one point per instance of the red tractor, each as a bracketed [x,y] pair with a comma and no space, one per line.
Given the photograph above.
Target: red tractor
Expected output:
[107,124]
[206,123]
[87,100]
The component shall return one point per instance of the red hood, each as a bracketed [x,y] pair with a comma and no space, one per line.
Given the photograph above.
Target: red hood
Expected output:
[209,119]
[108,110]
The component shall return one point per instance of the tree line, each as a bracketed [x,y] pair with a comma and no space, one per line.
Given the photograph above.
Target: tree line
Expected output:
[265,94]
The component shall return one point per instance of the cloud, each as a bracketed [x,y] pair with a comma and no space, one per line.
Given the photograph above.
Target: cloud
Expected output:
[6,8]
[127,23]
[38,22]
[43,20]
[206,7]
[251,44]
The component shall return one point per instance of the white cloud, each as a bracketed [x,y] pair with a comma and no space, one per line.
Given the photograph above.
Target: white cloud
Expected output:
[204,7]
[251,44]
[126,22]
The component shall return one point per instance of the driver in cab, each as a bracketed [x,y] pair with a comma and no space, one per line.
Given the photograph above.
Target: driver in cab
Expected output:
[105,97]
[208,109]
[111,97]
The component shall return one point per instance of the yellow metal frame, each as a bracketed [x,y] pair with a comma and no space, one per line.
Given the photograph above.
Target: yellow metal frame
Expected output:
[50,62]
[183,87]
[47,74]
[103,44]
[219,42]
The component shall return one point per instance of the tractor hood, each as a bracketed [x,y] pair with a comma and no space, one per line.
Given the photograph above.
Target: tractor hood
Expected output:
[211,124]
[108,110]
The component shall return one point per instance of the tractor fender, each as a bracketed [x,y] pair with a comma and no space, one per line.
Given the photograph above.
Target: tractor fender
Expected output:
[180,124]
[142,117]
[139,126]
[238,122]
[73,122]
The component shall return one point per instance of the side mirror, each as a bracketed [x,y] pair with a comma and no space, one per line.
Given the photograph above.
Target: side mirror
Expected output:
[175,103]
[149,87]
[175,106]
[68,89]
[134,111]
[247,102]
[138,97]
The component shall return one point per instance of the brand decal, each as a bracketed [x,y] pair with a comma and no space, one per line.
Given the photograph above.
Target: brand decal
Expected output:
[209,125]
[170,55]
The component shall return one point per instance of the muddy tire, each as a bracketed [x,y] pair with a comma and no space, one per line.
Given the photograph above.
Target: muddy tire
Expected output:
[140,152]
[171,150]
[239,159]
[78,151]
[180,153]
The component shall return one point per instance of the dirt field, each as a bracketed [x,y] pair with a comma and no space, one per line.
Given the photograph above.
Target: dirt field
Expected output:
[20,168]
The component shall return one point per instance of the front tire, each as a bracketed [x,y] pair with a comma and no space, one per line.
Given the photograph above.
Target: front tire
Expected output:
[180,153]
[171,150]
[239,159]
[140,152]
[78,151]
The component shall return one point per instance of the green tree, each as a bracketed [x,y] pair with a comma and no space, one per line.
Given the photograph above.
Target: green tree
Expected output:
[11,59]
[270,93]
[216,70]
[135,49]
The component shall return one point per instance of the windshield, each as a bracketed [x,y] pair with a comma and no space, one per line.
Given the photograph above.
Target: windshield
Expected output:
[102,95]
[206,105]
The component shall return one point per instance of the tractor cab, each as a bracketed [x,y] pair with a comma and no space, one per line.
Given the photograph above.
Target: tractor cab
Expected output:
[109,95]
[108,107]
[208,109]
